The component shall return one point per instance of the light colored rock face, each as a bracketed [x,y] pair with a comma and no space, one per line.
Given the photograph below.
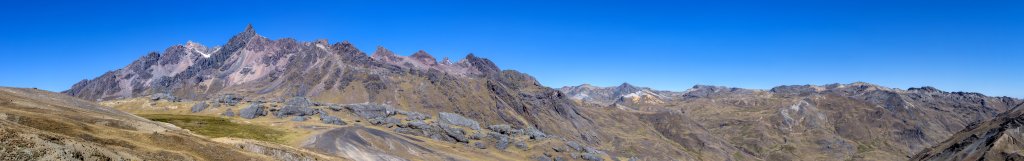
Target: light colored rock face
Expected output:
[625,94]
[421,60]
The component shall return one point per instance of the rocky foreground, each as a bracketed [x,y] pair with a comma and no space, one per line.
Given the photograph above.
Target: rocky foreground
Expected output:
[40,125]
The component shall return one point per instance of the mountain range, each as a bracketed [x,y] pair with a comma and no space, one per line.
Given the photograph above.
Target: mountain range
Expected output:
[335,102]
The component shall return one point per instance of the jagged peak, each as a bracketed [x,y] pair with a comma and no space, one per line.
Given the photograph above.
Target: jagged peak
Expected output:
[321,41]
[383,54]
[446,61]
[484,65]
[249,29]
[424,57]
[381,50]
[626,85]
[242,37]
[423,54]
[343,44]
[194,45]
[248,32]
[924,88]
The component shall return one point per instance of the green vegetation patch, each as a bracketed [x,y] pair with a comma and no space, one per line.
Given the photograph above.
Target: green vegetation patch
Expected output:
[216,127]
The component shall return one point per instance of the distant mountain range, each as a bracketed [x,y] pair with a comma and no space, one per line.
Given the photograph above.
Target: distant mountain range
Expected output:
[473,104]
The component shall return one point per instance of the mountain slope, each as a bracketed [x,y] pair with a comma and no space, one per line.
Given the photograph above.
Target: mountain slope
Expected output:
[856,121]
[623,94]
[257,68]
[996,139]
[393,100]
[39,125]
[252,68]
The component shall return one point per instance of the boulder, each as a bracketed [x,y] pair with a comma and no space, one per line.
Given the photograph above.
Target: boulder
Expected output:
[574,145]
[559,149]
[417,125]
[522,145]
[456,119]
[328,119]
[369,111]
[253,111]
[387,122]
[410,131]
[228,113]
[477,136]
[591,157]
[162,96]
[455,133]
[480,145]
[300,118]
[436,132]
[535,133]
[410,115]
[298,106]
[335,107]
[199,107]
[505,129]
[500,141]
[230,99]
[542,158]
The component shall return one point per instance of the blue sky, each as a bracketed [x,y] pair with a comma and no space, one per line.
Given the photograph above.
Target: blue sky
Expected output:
[973,46]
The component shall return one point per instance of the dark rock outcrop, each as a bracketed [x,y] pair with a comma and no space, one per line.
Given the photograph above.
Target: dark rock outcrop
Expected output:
[298,106]
[480,145]
[228,113]
[328,119]
[229,99]
[456,119]
[370,111]
[199,107]
[500,141]
[254,110]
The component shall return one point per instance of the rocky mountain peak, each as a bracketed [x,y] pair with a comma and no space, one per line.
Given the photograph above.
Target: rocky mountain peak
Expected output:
[706,91]
[321,42]
[383,54]
[446,61]
[242,38]
[626,85]
[484,65]
[248,28]
[928,89]
[587,85]
[626,88]
[191,44]
[641,97]
[424,57]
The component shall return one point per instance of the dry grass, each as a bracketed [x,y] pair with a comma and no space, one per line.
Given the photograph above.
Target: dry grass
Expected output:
[216,127]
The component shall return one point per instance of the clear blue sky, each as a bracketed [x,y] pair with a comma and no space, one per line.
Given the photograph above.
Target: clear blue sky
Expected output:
[953,45]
